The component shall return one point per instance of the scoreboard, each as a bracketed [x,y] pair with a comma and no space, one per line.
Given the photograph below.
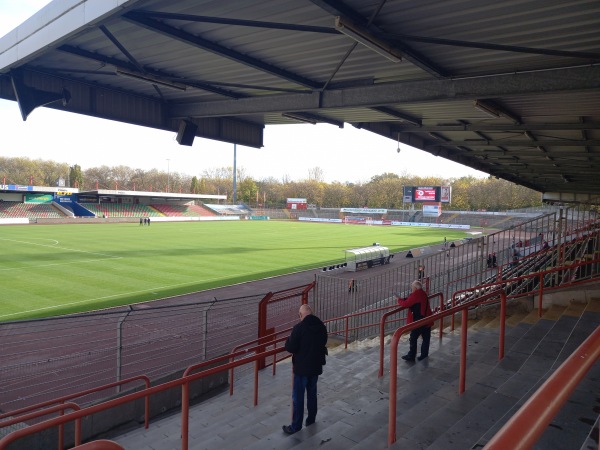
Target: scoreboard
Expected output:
[419,194]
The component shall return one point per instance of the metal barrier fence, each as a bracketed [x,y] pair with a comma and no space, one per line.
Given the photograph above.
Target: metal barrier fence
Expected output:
[447,269]
[47,358]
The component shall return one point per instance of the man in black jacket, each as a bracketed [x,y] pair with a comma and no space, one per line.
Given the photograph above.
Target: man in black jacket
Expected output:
[307,346]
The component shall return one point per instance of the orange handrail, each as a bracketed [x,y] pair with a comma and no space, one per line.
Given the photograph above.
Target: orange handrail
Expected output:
[263,345]
[64,398]
[430,320]
[236,349]
[541,275]
[525,427]
[75,415]
[383,321]
[44,412]
[357,314]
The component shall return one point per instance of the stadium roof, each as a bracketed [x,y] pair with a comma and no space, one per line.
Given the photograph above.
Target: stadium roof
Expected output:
[511,88]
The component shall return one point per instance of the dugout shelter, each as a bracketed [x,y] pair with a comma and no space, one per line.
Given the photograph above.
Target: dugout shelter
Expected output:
[366,257]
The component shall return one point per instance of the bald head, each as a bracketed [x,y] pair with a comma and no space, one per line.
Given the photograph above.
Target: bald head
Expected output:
[304,311]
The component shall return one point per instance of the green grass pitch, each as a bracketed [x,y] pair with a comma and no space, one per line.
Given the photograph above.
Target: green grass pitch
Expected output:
[49,270]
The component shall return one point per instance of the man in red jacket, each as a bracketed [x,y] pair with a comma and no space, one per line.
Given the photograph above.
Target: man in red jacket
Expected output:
[418,308]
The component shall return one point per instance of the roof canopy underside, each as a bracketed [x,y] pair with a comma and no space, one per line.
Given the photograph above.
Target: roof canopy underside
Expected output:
[510,88]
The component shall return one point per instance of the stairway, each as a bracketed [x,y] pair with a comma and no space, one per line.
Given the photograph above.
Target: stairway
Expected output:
[353,401]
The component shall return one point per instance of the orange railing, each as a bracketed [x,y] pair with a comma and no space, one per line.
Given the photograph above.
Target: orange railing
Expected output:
[524,428]
[531,276]
[346,318]
[44,412]
[19,417]
[271,341]
[383,322]
[77,415]
[463,349]
[240,351]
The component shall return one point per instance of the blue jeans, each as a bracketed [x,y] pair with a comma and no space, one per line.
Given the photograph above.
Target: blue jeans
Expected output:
[301,384]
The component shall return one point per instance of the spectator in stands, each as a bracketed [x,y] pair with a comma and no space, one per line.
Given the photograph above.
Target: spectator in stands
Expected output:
[515,259]
[307,344]
[421,272]
[418,308]
[352,286]
[545,246]
[452,245]
[489,261]
[494,260]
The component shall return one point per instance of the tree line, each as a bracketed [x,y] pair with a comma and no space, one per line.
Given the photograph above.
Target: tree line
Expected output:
[381,191]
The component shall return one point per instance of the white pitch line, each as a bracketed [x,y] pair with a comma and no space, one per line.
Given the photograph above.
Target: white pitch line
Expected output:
[56,247]
[60,264]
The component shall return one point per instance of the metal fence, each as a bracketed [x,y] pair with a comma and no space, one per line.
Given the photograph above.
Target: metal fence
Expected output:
[46,358]
[447,269]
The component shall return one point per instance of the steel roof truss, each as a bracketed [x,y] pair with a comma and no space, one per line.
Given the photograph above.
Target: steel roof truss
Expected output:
[205,44]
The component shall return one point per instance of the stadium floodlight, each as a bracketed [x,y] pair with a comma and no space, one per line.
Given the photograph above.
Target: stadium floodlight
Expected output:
[364,37]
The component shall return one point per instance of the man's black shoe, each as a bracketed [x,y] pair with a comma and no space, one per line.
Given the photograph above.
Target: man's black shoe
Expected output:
[309,422]
[287,429]
[422,357]
[408,358]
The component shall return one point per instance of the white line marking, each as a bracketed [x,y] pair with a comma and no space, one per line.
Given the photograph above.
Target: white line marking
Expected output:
[60,264]
[62,248]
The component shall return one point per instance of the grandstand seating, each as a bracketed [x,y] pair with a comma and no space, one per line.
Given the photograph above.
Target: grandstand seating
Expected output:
[14,210]
[121,210]
[229,210]
[271,213]
[183,210]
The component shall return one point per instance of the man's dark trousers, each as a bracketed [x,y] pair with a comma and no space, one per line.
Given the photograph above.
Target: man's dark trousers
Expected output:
[425,332]
[304,383]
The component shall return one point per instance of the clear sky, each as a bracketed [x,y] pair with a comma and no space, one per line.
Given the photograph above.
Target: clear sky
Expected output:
[289,151]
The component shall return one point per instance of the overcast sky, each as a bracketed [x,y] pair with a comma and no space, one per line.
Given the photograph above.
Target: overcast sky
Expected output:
[289,151]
